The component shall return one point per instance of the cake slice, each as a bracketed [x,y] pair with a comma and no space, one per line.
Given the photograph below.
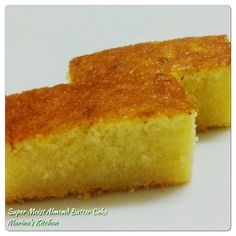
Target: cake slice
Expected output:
[201,63]
[91,138]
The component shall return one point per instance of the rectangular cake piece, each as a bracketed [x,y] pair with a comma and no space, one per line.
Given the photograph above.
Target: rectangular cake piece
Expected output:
[201,63]
[92,138]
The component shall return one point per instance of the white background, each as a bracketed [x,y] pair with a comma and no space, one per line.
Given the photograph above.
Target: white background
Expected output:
[41,40]
[39,43]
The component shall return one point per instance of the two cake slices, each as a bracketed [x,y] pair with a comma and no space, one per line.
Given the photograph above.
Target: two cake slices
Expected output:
[126,121]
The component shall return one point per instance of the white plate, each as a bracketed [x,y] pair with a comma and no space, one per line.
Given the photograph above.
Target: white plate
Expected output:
[39,43]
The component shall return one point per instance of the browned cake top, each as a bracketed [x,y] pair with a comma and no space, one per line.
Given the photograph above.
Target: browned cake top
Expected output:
[184,54]
[40,111]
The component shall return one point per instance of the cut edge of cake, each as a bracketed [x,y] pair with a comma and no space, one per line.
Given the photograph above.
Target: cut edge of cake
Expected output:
[107,157]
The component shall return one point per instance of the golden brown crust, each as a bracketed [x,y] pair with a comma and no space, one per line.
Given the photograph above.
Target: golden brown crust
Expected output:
[146,59]
[40,111]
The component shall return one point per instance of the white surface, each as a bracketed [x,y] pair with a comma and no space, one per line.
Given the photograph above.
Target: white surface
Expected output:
[39,43]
